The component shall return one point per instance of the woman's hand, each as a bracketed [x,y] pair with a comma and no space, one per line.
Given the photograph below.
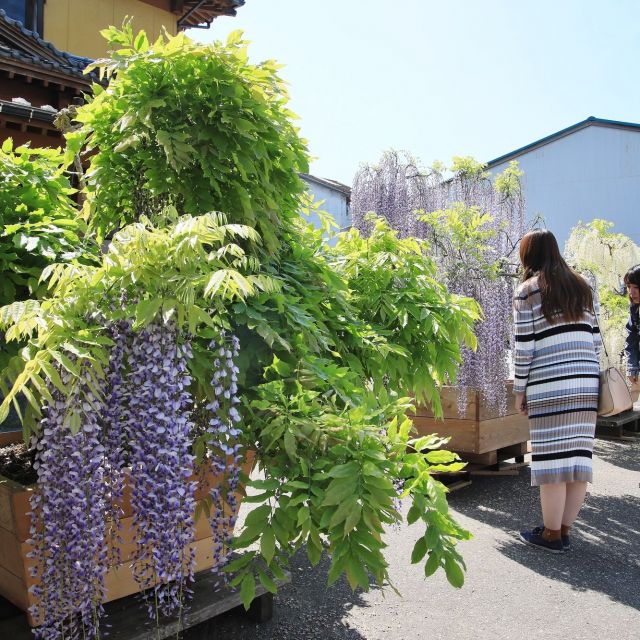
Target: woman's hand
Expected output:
[633,379]
[521,403]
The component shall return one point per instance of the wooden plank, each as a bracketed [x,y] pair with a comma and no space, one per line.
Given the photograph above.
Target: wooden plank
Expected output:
[127,545]
[128,618]
[484,459]
[10,437]
[502,432]
[461,432]
[6,512]
[457,485]
[449,400]
[489,413]
[10,553]
[20,502]
[119,581]
[14,590]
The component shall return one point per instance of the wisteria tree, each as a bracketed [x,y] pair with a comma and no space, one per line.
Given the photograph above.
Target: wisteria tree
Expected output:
[473,223]
[193,336]
[595,249]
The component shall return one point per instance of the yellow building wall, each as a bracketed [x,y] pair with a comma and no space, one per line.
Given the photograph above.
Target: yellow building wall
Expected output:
[74,25]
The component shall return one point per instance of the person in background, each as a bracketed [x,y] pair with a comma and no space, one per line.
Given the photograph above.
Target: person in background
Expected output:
[632,342]
[557,372]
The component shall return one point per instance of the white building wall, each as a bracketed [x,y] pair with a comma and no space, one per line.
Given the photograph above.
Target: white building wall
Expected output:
[592,173]
[335,203]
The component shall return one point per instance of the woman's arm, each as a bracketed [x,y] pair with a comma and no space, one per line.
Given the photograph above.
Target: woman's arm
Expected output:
[631,348]
[524,343]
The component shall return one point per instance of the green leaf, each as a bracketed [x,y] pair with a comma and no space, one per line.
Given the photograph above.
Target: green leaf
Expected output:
[268,545]
[248,590]
[146,310]
[240,563]
[419,551]
[455,574]
[432,564]
[290,444]
[345,470]
[267,582]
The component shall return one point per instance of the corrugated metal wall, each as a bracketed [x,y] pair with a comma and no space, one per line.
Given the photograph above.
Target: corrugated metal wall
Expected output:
[592,173]
[335,203]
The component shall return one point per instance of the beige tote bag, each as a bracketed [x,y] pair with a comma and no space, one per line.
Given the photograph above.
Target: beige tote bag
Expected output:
[615,396]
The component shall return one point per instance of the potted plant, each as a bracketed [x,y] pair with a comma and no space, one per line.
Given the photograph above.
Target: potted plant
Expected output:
[471,224]
[195,336]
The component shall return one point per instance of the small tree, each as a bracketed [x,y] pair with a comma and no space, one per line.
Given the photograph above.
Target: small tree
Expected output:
[595,249]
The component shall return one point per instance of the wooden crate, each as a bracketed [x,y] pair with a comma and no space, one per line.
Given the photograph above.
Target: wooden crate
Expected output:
[477,433]
[119,582]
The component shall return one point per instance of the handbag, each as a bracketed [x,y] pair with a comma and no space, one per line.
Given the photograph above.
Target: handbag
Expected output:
[614,396]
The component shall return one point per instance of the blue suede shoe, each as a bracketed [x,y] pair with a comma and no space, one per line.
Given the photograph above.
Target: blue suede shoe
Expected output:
[566,542]
[535,539]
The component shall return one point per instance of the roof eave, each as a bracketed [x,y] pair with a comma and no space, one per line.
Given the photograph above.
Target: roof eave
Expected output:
[590,121]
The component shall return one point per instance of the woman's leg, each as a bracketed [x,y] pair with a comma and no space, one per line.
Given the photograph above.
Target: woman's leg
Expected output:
[575,494]
[552,499]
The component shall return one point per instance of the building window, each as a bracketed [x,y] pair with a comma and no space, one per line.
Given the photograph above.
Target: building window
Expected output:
[29,12]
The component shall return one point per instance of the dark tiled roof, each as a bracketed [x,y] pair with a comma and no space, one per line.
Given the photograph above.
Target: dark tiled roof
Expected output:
[28,111]
[590,121]
[21,45]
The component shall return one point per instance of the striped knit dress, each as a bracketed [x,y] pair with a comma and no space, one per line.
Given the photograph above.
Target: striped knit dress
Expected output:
[557,366]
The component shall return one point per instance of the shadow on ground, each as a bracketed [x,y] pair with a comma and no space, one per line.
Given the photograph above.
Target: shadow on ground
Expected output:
[625,455]
[303,610]
[605,540]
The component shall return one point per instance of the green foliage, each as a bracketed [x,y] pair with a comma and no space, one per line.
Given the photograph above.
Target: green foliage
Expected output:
[328,485]
[395,289]
[193,126]
[332,340]
[462,235]
[469,168]
[508,182]
[40,225]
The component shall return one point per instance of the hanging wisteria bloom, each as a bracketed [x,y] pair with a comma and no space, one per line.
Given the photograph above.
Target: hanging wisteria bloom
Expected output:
[224,450]
[159,429]
[68,531]
[114,436]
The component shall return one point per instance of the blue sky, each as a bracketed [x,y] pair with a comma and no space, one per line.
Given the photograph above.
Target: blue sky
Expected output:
[457,77]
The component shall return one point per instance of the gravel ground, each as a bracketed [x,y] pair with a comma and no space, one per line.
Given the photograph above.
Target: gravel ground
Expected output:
[591,593]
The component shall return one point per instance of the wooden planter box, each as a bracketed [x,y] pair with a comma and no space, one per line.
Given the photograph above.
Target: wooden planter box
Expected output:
[478,433]
[14,531]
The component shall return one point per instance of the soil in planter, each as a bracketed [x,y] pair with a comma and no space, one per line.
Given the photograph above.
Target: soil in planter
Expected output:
[16,463]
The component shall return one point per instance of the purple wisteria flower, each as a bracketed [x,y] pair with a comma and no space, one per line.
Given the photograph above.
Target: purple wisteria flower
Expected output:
[158,429]
[224,449]
[68,506]
[113,436]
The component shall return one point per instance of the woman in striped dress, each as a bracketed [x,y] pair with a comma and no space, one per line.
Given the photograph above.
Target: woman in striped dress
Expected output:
[557,346]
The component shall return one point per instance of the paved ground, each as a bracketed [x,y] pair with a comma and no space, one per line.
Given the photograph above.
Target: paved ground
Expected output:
[512,591]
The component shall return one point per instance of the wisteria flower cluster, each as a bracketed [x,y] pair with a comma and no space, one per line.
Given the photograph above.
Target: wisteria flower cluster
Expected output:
[159,435]
[140,428]
[68,530]
[224,448]
[113,433]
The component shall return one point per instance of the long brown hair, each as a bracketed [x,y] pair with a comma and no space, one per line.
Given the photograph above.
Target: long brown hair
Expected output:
[565,294]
